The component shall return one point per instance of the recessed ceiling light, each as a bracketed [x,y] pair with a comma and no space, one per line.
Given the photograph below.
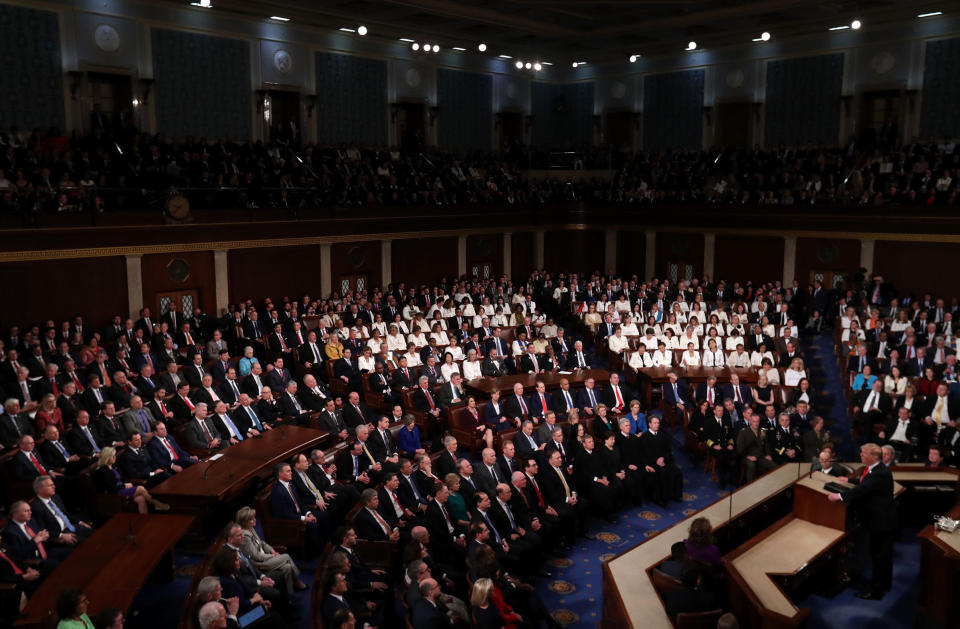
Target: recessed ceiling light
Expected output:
[415,46]
[633,58]
[277,18]
[436,48]
[931,14]
[691,45]
[528,65]
[409,41]
[204,4]
[459,49]
[856,24]
[765,36]
[574,64]
[482,47]
[505,56]
[546,63]
[838,28]
[537,66]
[518,65]
[348,30]
[361,30]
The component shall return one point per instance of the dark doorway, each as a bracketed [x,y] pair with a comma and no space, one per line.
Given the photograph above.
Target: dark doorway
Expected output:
[879,118]
[618,132]
[412,126]
[733,124]
[110,98]
[285,116]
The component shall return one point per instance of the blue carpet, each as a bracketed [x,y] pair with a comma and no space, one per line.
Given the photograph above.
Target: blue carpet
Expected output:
[827,379]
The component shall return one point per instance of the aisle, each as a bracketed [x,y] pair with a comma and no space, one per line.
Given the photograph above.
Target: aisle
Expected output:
[826,377]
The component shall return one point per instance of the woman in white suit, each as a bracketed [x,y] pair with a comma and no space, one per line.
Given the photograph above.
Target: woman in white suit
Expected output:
[263,556]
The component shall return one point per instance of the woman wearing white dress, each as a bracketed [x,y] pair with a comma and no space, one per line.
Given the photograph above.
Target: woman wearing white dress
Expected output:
[690,336]
[401,324]
[629,327]
[663,357]
[618,342]
[623,305]
[418,338]
[419,323]
[449,367]
[794,373]
[641,359]
[694,323]
[375,341]
[690,358]
[472,366]
[673,342]
[379,325]
[757,356]
[439,335]
[468,309]
[396,341]
[413,356]
[768,370]
[499,320]
[673,323]
[366,363]
[713,357]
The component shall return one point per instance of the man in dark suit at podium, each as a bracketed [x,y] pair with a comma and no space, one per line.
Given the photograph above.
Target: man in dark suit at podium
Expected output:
[872,498]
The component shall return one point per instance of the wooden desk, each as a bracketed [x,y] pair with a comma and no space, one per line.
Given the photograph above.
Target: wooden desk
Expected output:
[209,482]
[629,598]
[650,376]
[940,569]
[486,386]
[110,566]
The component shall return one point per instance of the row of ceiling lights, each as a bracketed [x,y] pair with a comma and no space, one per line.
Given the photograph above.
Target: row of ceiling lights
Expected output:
[537,66]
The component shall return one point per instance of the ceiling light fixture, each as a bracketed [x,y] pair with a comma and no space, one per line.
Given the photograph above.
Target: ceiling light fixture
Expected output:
[633,58]
[537,66]
[505,56]
[459,49]
[277,18]
[406,39]
[348,30]
[518,65]
[361,30]
[839,28]
[415,46]
[931,14]
[765,36]
[546,63]
[692,45]
[436,48]
[203,4]
[528,65]
[856,24]
[482,47]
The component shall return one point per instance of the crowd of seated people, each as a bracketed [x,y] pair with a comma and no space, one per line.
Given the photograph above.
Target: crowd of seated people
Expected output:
[118,168]
[137,401]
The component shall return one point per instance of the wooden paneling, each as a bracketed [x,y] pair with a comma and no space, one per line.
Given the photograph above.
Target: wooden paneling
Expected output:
[741,258]
[486,248]
[423,260]
[273,272]
[631,253]
[522,258]
[34,292]
[826,254]
[686,248]
[576,251]
[356,258]
[157,277]
[918,267]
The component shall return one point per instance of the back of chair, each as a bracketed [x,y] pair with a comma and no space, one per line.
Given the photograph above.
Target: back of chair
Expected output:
[664,583]
[698,620]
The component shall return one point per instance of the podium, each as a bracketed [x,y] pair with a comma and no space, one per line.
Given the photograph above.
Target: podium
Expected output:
[785,558]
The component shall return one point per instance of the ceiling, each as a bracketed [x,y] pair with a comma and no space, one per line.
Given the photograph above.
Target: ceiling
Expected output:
[562,31]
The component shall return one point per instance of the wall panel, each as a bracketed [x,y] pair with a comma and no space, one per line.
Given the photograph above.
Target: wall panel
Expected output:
[826,254]
[522,259]
[202,85]
[941,91]
[31,83]
[673,110]
[35,291]
[157,277]
[356,258]
[485,249]
[900,263]
[803,100]
[259,272]
[741,258]
[351,99]
[418,261]
[466,110]
[679,248]
[562,114]
[574,251]
[631,253]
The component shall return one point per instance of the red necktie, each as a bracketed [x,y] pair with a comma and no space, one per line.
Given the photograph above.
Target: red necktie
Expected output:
[429,399]
[523,407]
[189,403]
[173,454]
[54,388]
[736,393]
[866,471]
[163,408]
[36,464]
[40,548]
[619,398]
[16,568]
[537,490]
[543,402]
[76,381]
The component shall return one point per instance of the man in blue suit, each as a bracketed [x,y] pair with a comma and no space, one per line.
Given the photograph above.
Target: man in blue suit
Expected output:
[165,453]
[588,397]
[287,504]
[676,392]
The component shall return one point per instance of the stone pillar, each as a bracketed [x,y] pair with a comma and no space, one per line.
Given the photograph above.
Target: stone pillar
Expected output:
[326,273]
[221,280]
[134,285]
[386,263]
[461,256]
[539,237]
[507,253]
[650,264]
[789,260]
[610,250]
[709,255]
[866,254]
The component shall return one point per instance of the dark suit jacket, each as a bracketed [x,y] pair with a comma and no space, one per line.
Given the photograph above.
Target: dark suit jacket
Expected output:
[512,409]
[367,527]
[8,434]
[283,506]
[536,408]
[872,498]
[22,468]
[78,443]
[132,464]
[682,389]
[426,615]
[352,417]
[551,488]
[702,393]
[107,432]
[405,381]
[445,464]
[19,546]
[46,520]
[160,456]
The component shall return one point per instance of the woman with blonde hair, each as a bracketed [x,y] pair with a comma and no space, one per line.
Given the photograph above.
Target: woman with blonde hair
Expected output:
[107,479]
[49,414]
[489,608]
[262,554]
